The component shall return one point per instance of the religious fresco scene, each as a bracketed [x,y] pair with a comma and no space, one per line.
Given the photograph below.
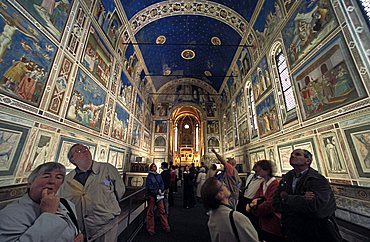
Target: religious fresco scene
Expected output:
[141,82]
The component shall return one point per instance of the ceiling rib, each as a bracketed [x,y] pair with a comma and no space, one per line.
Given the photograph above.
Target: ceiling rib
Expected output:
[180,44]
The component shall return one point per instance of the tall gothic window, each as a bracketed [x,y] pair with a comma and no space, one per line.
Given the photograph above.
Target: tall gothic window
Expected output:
[365,8]
[176,134]
[196,138]
[286,84]
[253,116]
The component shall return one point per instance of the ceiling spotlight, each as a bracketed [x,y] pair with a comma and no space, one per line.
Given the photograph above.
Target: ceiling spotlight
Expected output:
[207,73]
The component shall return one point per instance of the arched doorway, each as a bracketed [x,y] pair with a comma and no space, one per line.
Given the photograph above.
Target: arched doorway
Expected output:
[186,135]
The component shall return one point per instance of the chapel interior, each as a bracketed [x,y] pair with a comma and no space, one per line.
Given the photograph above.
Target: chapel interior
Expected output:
[166,81]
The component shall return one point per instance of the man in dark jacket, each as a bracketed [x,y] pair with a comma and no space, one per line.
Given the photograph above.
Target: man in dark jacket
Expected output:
[166,177]
[306,202]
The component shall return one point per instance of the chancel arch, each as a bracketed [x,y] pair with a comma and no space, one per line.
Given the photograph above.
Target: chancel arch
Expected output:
[187,135]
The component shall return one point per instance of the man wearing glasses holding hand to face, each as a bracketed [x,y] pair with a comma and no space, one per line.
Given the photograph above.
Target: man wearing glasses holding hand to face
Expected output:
[95,188]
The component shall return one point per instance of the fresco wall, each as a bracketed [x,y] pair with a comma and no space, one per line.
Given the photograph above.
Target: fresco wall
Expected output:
[64,80]
[327,65]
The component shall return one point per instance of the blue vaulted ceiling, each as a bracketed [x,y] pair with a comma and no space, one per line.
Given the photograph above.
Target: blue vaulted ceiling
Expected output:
[191,31]
[195,32]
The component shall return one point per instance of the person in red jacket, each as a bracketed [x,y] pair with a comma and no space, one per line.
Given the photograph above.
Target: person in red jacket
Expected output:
[261,205]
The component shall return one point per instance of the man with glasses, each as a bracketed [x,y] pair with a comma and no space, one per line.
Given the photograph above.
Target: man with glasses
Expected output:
[96,189]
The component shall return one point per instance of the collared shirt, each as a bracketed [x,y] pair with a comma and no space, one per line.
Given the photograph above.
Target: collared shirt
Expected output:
[81,176]
[267,184]
[253,183]
[297,178]
[96,202]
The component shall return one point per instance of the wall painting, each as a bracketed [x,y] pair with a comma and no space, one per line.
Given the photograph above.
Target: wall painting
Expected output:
[243,133]
[116,157]
[213,127]
[267,118]
[26,57]
[308,26]
[284,156]
[333,153]
[12,140]
[52,15]
[139,108]
[106,14]
[241,104]
[120,123]
[261,82]
[359,142]
[136,133]
[87,102]
[160,126]
[41,151]
[125,91]
[97,58]
[328,80]
[102,153]
[267,21]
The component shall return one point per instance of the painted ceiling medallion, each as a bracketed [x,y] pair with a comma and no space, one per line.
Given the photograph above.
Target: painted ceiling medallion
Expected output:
[167,72]
[215,41]
[160,40]
[188,54]
[207,73]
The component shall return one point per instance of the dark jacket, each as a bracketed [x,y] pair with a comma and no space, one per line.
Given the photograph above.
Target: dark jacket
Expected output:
[307,220]
[154,182]
[166,177]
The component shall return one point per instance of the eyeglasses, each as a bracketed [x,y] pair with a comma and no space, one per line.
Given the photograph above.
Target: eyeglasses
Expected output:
[81,149]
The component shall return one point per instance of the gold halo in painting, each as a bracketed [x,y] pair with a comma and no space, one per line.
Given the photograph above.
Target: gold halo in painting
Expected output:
[160,40]
[188,54]
[215,41]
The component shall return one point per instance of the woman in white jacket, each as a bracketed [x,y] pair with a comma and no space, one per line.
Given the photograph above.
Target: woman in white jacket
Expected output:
[225,224]
[201,178]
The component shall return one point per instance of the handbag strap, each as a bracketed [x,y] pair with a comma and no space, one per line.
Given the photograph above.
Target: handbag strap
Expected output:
[233,225]
[247,185]
[71,214]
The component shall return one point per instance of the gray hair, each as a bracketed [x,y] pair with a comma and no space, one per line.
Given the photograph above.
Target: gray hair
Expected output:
[46,167]
[70,153]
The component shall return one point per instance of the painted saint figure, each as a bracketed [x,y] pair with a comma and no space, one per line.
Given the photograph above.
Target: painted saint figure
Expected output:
[333,157]
[10,28]
[364,139]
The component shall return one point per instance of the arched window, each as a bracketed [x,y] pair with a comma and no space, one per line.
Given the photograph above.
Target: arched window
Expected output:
[176,135]
[285,82]
[252,113]
[196,137]
[365,8]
